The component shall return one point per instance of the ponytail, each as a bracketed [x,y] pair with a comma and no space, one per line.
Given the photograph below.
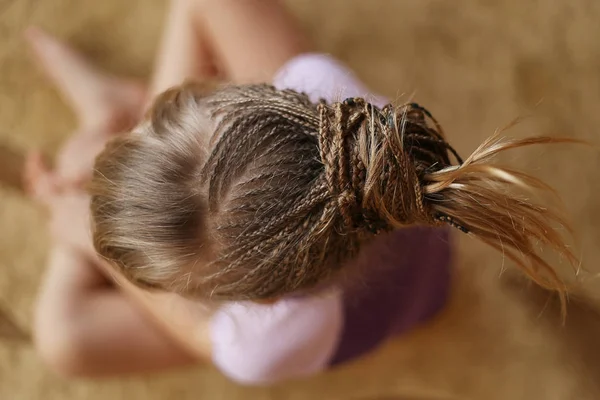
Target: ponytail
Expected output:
[393,167]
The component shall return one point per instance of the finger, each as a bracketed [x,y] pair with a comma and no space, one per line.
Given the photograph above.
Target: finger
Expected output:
[40,181]
[31,170]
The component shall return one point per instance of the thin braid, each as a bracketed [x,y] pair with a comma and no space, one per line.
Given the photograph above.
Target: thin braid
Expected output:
[346,171]
[325,143]
[346,199]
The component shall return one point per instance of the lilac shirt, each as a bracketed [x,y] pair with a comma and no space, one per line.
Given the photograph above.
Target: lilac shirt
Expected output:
[406,281]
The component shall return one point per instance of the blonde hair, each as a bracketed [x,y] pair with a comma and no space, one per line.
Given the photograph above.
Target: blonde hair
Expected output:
[249,192]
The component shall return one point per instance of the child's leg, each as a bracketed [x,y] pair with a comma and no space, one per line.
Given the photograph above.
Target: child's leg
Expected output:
[250,39]
[104,104]
[184,50]
[101,101]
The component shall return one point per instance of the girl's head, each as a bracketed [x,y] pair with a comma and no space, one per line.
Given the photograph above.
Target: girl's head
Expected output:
[249,193]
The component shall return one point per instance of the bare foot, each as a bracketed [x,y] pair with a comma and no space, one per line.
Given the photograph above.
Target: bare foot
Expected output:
[101,101]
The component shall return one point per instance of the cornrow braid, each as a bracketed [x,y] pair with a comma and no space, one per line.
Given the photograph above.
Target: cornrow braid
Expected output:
[374,169]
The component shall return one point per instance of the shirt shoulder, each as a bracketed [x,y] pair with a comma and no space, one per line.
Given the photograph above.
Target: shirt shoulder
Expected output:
[323,77]
[265,343]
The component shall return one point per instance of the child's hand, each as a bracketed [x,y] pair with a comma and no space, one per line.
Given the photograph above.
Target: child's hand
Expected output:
[75,161]
[69,207]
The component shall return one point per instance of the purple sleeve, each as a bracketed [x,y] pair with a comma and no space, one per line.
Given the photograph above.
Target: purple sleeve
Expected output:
[322,77]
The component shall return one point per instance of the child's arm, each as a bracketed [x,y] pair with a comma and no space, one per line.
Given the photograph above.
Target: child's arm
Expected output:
[86,326]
